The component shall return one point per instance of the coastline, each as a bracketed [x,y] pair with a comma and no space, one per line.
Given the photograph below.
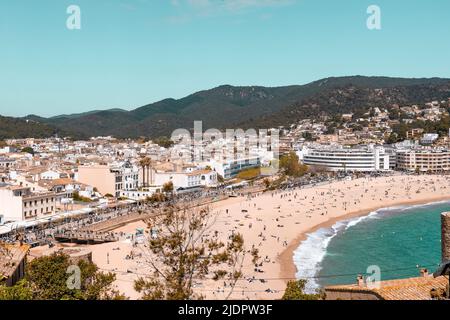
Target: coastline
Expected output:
[276,223]
[288,269]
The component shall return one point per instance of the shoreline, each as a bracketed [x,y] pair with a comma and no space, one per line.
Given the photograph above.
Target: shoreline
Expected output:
[288,269]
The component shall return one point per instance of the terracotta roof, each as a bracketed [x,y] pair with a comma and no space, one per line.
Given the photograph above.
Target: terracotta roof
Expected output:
[400,289]
[10,257]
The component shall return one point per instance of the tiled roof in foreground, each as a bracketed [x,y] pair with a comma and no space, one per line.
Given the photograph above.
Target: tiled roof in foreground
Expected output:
[400,289]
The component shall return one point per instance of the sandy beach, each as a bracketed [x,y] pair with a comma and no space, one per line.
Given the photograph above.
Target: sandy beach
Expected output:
[276,223]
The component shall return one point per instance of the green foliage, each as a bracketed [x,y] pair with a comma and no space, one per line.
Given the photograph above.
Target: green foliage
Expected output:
[77,197]
[18,292]
[244,107]
[291,166]
[28,150]
[46,279]
[184,256]
[295,291]
[307,136]
[17,128]
[249,174]
[163,142]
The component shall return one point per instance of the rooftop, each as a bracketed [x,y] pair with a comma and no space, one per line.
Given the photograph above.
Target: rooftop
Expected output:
[10,257]
[418,288]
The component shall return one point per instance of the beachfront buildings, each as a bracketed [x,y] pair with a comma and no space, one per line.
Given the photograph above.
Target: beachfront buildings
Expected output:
[423,160]
[20,203]
[338,158]
[229,168]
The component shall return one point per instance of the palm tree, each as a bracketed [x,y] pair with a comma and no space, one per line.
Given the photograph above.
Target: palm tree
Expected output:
[145,164]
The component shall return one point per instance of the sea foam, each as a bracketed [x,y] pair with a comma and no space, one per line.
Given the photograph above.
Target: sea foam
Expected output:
[311,252]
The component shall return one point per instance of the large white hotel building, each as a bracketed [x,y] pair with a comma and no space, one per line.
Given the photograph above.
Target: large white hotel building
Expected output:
[338,158]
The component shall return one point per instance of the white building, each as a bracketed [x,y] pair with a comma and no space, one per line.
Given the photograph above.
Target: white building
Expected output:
[429,138]
[230,168]
[141,194]
[50,175]
[19,203]
[338,158]
[187,180]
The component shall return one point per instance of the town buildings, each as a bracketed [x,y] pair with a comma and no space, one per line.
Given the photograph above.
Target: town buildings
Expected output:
[423,160]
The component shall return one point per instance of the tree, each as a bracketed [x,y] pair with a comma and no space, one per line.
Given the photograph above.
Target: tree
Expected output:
[266,182]
[291,166]
[76,197]
[307,136]
[295,291]
[20,291]
[183,253]
[156,197]
[163,142]
[28,150]
[145,163]
[168,187]
[46,279]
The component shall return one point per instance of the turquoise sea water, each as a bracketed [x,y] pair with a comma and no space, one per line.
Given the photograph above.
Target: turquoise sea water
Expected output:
[398,240]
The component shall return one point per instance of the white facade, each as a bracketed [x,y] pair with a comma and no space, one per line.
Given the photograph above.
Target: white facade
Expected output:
[50,175]
[230,168]
[365,159]
[141,194]
[20,203]
[187,180]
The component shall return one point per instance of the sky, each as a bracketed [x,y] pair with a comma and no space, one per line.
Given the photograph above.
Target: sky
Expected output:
[129,53]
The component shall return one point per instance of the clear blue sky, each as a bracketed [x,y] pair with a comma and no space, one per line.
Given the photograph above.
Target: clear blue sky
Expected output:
[133,52]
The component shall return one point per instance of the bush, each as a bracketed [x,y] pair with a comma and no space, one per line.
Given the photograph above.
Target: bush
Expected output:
[295,291]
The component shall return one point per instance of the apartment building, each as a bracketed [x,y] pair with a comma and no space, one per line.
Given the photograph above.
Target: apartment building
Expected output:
[423,160]
[19,203]
[230,168]
[337,158]
[110,179]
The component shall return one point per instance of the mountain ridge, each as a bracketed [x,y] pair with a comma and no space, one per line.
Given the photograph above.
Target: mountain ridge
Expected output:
[229,106]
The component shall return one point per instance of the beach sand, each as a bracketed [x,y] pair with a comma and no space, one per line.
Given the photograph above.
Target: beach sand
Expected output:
[276,223]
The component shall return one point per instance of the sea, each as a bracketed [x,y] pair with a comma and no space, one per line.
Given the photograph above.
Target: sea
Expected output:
[393,243]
